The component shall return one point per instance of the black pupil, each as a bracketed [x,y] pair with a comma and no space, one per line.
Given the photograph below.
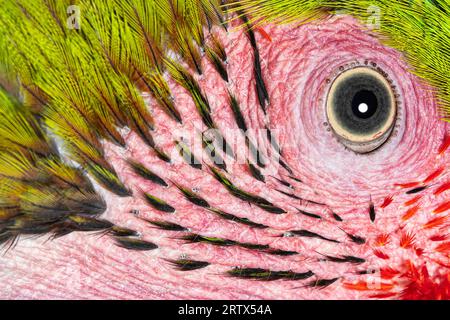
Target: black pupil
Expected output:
[364,104]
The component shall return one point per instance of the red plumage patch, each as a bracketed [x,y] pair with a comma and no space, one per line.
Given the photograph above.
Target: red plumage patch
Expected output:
[421,286]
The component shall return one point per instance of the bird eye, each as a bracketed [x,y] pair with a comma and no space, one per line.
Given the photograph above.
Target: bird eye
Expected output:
[361,108]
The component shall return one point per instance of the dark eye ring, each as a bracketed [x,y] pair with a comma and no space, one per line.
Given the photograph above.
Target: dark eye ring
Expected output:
[361,109]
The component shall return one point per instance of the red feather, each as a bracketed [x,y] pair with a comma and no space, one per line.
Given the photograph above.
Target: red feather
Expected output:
[380,254]
[407,240]
[443,248]
[382,239]
[445,144]
[413,200]
[435,222]
[434,175]
[444,187]
[387,201]
[411,212]
[439,237]
[442,207]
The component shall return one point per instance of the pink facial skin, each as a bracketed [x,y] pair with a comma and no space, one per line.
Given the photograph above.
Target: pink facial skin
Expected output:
[407,256]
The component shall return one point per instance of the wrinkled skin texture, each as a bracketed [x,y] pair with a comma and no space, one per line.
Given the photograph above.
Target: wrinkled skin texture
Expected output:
[295,65]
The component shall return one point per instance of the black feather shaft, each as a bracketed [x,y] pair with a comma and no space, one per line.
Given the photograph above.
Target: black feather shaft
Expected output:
[308,214]
[188,265]
[135,244]
[337,217]
[238,117]
[263,96]
[290,195]
[268,275]
[123,232]
[246,196]
[218,64]
[245,221]
[280,252]
[146,173]
[416,190]
[309,234]
[193,198]
[165,225]
[322,283]
[158,204]
[284,183]
[255,172]
[355,238]
[344,259]
[193,238]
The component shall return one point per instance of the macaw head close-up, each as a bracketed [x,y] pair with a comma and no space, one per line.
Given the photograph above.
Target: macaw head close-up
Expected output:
[224,149]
